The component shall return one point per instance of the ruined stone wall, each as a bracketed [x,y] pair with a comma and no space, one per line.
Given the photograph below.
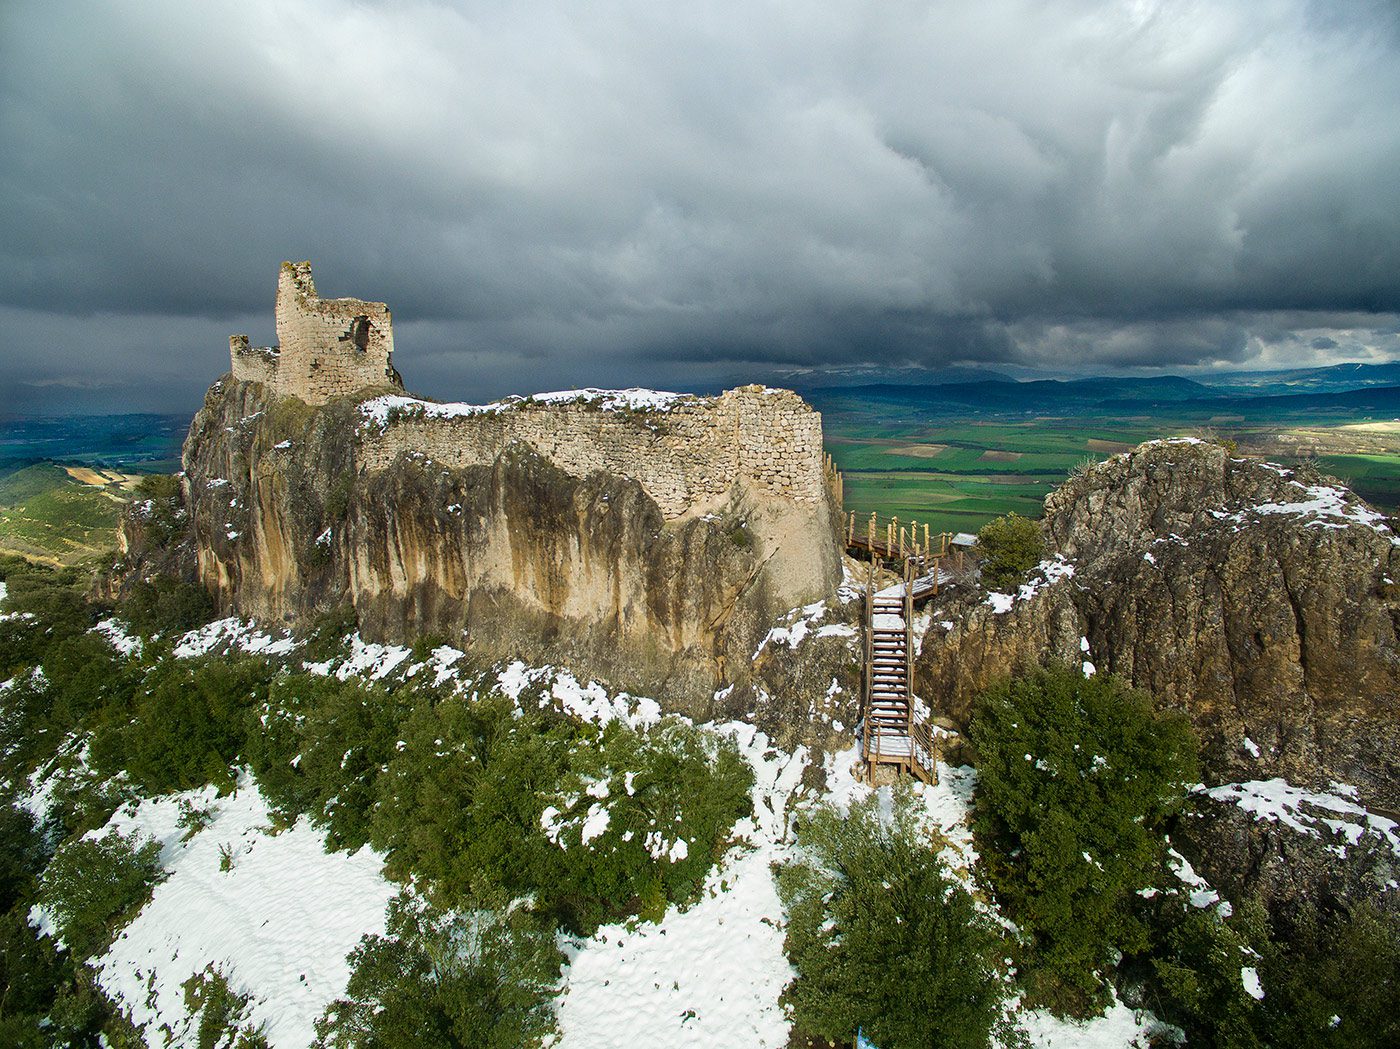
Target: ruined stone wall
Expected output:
[326,347]
[252,363]
[686,457]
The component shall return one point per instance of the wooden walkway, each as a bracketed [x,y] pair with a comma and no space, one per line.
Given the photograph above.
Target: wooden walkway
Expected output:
[895,732]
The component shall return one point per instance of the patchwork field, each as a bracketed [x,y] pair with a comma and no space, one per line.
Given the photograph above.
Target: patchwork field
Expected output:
[959,473]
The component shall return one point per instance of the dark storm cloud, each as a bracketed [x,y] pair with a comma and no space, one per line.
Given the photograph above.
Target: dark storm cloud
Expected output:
[630,192]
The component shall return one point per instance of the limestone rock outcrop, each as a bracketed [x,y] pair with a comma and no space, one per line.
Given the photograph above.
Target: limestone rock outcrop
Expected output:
[645,538]
[1262,602]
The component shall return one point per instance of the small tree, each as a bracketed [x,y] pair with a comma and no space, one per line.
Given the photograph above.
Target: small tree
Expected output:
[93,886]
[1010,547]
[484,976]
[882,937]
[1077,776]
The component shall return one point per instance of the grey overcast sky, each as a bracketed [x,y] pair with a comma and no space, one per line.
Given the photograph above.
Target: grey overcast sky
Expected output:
[625,192]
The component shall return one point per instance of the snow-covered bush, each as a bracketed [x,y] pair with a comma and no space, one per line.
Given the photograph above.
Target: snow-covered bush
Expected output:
[883,938]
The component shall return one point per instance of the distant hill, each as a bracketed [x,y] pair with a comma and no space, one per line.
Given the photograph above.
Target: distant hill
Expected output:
[1181,398]
[1335,378]
[143,442]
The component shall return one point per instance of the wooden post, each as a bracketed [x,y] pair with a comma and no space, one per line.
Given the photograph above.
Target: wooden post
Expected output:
[927,547]
[851,529]
[871,536]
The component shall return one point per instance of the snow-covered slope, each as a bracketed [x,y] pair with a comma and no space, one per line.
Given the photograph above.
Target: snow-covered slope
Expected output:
[276,914]
[272,911]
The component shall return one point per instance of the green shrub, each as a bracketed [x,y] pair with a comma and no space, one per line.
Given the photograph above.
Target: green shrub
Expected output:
[1009,547]
[222,1012]
[167,606]
[46,1000]
[882,937]
[1195,967]
[318,746]
[1331,980]
[188,728]
[164,516]
[483,977]
[482,796]
[54,597]
[1077,776]
[22,855]
[93,886]
[671,797]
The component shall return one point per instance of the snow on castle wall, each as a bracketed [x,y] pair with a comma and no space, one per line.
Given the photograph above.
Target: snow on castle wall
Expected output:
[686,452]
[326,347]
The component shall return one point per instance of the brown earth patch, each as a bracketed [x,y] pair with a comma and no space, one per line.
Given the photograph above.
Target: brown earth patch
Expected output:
[918,451]
[1095,445]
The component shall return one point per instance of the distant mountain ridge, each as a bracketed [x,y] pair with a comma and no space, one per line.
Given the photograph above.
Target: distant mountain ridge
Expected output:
[1180,396]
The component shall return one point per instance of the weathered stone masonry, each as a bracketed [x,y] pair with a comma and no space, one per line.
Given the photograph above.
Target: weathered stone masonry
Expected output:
[687,457]
[326,347]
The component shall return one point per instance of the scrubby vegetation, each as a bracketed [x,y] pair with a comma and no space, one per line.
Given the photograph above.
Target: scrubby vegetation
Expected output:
[884,939]
[1078,776]
[1010,547]
[511,819]
[483,976]
[92,884]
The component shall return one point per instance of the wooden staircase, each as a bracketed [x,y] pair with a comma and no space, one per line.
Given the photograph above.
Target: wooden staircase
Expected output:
[893,733]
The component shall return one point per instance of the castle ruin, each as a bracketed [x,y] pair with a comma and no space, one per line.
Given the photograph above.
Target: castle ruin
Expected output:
[326,348]
[687,452]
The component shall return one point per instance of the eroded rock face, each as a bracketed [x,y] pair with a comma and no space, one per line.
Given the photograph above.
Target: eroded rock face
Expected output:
[516,557]
[1262,604]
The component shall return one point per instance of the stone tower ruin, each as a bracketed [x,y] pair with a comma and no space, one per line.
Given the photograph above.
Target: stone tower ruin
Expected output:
[326,347]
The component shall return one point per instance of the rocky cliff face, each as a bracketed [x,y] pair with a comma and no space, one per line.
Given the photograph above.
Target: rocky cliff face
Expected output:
[1263,603]
[515,557]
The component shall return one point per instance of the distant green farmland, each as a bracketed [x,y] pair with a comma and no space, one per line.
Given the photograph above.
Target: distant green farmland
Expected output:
[958,474]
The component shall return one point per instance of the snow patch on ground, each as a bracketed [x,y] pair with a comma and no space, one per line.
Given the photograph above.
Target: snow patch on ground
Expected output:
[232,633]
[1201,893]
[278,923]
[590,702]
[369,659]
[1050,573]
[1326,505]
[115,633]
[799,623]
[1119,1028]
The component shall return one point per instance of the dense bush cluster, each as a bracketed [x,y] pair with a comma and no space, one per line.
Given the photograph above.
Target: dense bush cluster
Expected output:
[1315,978]
[482,976]
[1009,547]
[883,938]
[477,795]
[1077,778]
[91,885]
